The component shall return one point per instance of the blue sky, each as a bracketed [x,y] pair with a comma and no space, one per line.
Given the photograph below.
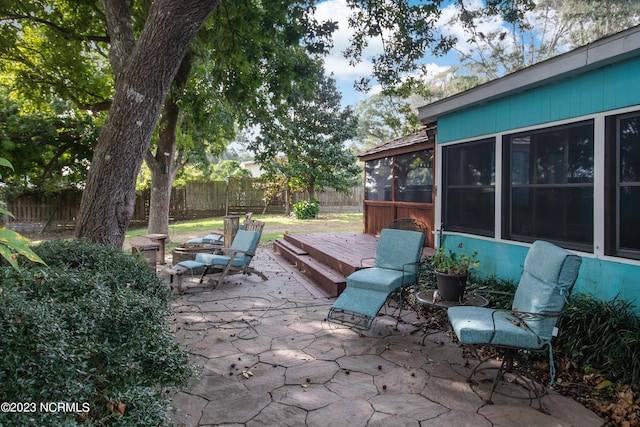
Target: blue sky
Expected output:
[345,74]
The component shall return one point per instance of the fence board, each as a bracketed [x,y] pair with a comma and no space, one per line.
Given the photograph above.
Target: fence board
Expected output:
[196,200]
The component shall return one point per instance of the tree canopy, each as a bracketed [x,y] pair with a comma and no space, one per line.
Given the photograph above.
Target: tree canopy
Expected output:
[307,146]
[125,56]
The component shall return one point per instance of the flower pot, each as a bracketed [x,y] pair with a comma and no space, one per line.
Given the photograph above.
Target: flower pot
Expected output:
[450,286]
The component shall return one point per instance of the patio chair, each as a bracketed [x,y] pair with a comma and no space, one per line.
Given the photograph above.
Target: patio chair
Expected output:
[234,259]
[544,288]
[395,266]
[217,237]
[411,224]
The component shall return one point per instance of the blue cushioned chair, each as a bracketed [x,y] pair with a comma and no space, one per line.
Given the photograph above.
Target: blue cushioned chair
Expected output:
[209,239]
[235,258]
[395,266]
[217,238]
[544,288]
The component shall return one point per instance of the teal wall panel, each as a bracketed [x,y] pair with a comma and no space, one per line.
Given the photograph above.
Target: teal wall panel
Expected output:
[601,279]
[615,86]
[609,88]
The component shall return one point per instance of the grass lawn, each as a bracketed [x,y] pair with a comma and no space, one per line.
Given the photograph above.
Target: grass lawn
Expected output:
[275,227]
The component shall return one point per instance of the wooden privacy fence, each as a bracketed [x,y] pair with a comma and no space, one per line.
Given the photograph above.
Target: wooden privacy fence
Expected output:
[39,212]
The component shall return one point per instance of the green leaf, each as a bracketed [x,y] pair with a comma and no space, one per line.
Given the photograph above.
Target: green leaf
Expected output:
[9,256]
[6,212]
[6,163]
[12,243]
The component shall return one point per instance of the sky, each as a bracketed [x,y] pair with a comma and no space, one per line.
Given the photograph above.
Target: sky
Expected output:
[345,74]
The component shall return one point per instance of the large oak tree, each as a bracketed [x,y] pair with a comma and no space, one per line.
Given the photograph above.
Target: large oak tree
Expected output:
[145,59]
[144,69]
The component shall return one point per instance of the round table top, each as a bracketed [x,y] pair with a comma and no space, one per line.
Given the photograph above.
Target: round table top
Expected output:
[470,298]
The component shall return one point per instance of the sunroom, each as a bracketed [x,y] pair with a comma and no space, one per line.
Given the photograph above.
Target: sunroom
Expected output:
[399,182]
[551,152]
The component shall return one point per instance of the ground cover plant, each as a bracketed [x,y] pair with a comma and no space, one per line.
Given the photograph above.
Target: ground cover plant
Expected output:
[90,328]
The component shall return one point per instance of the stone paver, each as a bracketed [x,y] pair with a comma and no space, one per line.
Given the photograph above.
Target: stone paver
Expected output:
[266,356]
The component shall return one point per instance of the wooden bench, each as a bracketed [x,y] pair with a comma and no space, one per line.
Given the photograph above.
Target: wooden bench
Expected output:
[178,271]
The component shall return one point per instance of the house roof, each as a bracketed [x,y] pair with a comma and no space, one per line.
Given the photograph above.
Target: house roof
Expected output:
[602,52]
[402,144]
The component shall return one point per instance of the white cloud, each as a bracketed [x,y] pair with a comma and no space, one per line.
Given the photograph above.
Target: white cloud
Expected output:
[450,25]
[335,62]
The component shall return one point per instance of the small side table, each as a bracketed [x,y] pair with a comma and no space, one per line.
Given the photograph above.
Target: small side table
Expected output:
[470,298]
[147,248]
[159,239]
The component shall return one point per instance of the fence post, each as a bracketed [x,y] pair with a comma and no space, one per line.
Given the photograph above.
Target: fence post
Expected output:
[231,226]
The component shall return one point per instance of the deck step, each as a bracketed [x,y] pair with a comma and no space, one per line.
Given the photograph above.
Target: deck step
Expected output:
[327,278]
[289,247]
[288,251]
[342,252]
[331,281]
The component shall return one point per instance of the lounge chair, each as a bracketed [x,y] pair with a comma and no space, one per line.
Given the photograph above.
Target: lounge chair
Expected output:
[395,266]
[217,238]
[234,259]
[544,288]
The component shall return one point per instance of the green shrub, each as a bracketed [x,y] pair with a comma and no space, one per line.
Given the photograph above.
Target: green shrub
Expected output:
[603,336]
[306,209]
[90,326]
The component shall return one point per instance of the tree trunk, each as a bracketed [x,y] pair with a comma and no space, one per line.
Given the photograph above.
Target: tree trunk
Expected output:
[287,198]
[163,165]
[142,83]
[163,169]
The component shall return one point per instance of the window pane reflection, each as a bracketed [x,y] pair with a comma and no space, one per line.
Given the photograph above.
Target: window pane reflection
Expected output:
[469,187]
[629,183]
[414,177]
[551,185]
[378,176]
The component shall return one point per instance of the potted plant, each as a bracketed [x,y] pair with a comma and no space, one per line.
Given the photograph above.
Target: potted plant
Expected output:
[452,272]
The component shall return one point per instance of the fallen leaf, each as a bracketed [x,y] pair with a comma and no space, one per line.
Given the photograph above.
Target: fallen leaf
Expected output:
[117,408]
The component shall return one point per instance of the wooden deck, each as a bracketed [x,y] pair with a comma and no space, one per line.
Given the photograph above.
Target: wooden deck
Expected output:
[328,258]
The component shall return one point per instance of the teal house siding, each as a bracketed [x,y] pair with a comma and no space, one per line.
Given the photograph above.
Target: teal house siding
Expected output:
[595,82]
[601,279]
[615,86]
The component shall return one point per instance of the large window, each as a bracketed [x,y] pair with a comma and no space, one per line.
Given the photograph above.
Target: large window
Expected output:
[469,187]
[378,179]
[414,177]
[549,185]
[401,178]
[623,184]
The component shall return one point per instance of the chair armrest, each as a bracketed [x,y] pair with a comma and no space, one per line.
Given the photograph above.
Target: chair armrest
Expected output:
[235,252]
[366,259]
[414,271]
[519,318]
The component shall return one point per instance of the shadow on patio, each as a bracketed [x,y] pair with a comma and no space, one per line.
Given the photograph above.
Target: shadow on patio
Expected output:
[266,356]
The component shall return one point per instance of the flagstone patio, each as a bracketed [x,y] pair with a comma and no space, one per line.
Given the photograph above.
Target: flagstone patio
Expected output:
[266,356]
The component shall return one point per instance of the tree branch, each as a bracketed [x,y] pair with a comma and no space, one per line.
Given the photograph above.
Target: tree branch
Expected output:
[62,30]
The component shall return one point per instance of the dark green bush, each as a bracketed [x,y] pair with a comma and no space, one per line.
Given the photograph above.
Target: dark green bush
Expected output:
[90,326]
[601,336]
[306,209]
[596,336]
